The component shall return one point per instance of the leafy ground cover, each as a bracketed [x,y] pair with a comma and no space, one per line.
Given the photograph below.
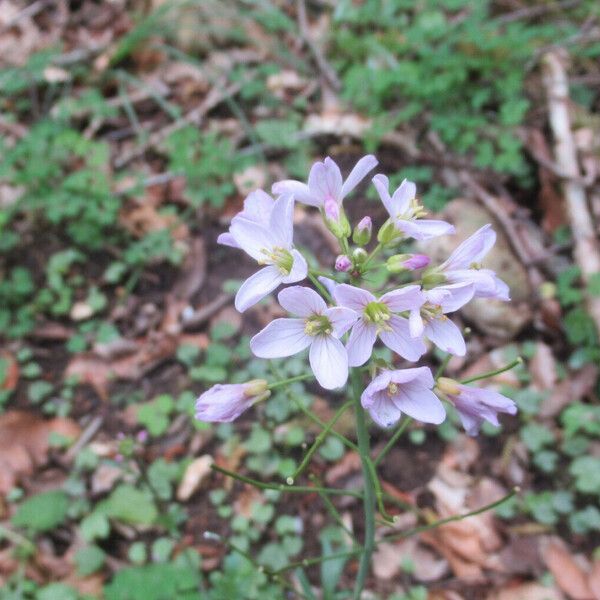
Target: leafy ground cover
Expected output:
[130,134]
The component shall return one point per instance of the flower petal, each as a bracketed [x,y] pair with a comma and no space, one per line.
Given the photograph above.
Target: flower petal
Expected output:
[415,323]
[281,337]
[472,250]
[383,411]
[446,336]
[342,319]
[424,229]
[299,269]
[325,180]
[256,287]
[258,206]
[251,237]
[329,361]
[226,239]
[359,172]
[406,298]
[301,301]
[281,222]
[483,280]
[377,384]
[458,294]
[352,297]
[400,340]
[419,403]
[403,196]
[299,190]
[330,284]
[417,375]
[360,344]
[382,184]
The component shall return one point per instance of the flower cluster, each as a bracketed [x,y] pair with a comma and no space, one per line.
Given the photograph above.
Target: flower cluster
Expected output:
[341,321]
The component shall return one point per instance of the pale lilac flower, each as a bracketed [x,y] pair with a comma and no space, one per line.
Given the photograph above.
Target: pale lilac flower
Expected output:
[316,326]
[328,283]
[271,246]
[430,318]
[343,263]
[475,405]
[405,211]
[258,206]
[326,188]
[378,318]
[407,262]
[403,391]
[363,231]
[464,264]
[224,403]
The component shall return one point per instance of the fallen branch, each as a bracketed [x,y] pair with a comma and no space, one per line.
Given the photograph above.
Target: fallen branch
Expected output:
[586,250]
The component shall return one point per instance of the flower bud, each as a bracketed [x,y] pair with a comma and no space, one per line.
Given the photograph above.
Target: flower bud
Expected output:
[388,233]
[338,223]
[447,386]
[432,278]
[359,255]
[343,263]
[363,231]
[406,262]
[223,403]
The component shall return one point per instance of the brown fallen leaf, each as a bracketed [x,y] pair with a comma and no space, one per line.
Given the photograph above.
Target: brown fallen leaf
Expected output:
[543,367]
[571,389]
[195,473]
[9,371]
[24,443]
[570,576]
[594,579]
[526,591]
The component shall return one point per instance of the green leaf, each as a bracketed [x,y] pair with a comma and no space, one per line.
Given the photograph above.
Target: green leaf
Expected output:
[42,512]
[586,470]
[56,591]
[536,436]
[94,526]
[89,560]
[129,505]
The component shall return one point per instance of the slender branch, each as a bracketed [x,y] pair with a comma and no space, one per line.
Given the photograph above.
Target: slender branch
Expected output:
[284,382]
[320,287]
[373,254]
[405,423]
[280,487]
[442,368]
[507,367]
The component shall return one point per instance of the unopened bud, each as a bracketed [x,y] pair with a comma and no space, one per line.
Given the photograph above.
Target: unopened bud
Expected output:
[343,263]
[363,231]
[388,233]
[431,279]
[406,262]
[359,255]
[448,386]
[256,387]
[337,222]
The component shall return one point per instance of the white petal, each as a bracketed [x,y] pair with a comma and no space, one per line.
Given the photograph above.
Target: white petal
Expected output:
[472,250]
[301,301]
[325,180]
[459,295]
[299,190]
[281,222]
[382,185]
[416,375]
[256,287]
[299,269]
[360,344]
[281,337]
[403,196]
[329,284]
[329,361]
[424,229]
[258,206]
[383,411]
[400,340]
[358,173]
[251,237]
[406,298]
[415,324]
[342,319]
[226,239]
[377,384]
[419,403]
[483,280]
[446,336]
[352,297]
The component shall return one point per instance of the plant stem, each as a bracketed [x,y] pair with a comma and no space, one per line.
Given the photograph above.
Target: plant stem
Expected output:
[373,254]
[320,287]
[284,382]
[405,423]
[443,366]
[362,435]
[507,367]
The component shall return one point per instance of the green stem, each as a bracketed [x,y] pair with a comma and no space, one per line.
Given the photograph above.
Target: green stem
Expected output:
[362,434]
[280,487]
[320,439]
[371,256]
[508,367]
[284,382]
[333,511]
[320,287]
[405,423]
[443,366]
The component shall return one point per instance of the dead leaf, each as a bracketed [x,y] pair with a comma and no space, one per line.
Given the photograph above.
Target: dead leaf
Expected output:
[571,577]
[386,561]
[145,218]
[543,367]
[24,444]
[249,179]
[571,389]
[9,372]
[195,473]
[526,591]
[594,579]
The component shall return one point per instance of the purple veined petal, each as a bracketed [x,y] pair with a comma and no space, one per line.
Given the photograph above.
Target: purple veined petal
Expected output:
[359,172]
[281,222]
[446,336]
[383,411]
[417,375]
[502,290]
[471,422]
[226,239]
[382,185]
[400,340]
[491,398]
[352,297]
[299,190]
[251,237]
[329,361]
[472,250]
[483,280]
[301,301]
[280,338]
[299,269]
[415,324]
[419,403]
[223,403]
[403,196]
[325,181]
[360,343]
[406,298]
[458,295]
[342,319]
[258,206]
[329,284]
[424,229]
[377,384]
[256,287]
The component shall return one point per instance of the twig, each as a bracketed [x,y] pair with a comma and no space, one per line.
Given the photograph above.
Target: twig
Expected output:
[586,250]
[88,434]
[536,11]
[206,312]
[194,117]
[325,68]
